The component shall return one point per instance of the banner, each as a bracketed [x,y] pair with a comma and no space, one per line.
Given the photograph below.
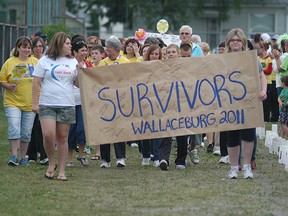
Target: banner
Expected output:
[171,97]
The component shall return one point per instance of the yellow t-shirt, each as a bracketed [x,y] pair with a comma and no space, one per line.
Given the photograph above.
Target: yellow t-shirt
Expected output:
[273,76]
[119,60]
[134,59]
[265,64]
[20,73]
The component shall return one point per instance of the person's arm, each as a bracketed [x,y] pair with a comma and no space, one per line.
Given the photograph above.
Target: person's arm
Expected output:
[35,93]
[263,83]
[280,102]
[282,64]
[8,86]
[78,67]
[278,63]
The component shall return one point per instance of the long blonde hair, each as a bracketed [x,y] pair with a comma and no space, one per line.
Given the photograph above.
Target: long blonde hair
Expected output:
[239,33]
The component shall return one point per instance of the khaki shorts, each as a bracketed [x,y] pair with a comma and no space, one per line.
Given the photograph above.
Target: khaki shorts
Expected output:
[64,115]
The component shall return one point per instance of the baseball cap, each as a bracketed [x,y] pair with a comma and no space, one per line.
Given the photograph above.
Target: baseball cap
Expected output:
[275,37]
[266,37]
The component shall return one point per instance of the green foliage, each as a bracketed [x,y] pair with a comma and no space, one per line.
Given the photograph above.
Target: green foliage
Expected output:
[176,12]
[52,28]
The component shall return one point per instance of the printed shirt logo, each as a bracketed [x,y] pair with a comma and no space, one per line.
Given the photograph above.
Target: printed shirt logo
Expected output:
[20,71]
[60,72]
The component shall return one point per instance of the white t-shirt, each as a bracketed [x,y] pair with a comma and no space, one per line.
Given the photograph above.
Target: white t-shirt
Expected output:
[77,92]
[57,84]
[275,69]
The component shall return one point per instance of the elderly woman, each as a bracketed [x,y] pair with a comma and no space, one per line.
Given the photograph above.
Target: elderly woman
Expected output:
[113,47]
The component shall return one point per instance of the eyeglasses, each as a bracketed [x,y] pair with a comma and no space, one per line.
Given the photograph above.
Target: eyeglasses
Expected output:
[40,46]
[185,33]
[235,40]
[80,42]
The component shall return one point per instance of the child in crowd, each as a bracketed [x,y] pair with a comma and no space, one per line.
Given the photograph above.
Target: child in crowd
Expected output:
[97,54]
[283,105]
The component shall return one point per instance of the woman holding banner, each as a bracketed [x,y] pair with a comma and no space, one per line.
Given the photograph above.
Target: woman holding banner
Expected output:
[113,47]
[236,41]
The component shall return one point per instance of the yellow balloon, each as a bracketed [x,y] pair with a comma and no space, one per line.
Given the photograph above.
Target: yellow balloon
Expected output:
[162,26]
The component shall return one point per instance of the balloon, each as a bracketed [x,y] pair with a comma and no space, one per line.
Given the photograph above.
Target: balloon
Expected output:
[140,34]
[162,26]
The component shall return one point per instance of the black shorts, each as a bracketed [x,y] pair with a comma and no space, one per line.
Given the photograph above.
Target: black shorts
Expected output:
[235,137]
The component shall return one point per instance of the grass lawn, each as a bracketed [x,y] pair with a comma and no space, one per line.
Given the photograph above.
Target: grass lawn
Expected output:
[201,189]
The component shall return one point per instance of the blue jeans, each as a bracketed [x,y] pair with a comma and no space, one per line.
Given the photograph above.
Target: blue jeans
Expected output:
[77,132]
[20,124]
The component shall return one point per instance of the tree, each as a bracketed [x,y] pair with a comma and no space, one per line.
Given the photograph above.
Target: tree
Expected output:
[51,29]
[176,12]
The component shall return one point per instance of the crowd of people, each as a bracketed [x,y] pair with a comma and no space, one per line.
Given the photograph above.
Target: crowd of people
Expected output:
[43,104]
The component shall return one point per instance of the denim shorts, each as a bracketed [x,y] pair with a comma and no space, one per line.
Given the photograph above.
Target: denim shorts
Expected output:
[64,115]
[20,124]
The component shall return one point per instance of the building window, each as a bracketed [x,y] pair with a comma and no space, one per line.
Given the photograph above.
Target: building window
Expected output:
[262,23]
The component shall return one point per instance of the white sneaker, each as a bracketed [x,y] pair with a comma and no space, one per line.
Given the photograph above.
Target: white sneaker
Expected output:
[104,164]
[216,152]
[180,167]
[156,163]
[163,165]
[134,145]
[145,161]
[120,162]
[44,161]
[193,154]
[247,171]
[224,160]
[233,173]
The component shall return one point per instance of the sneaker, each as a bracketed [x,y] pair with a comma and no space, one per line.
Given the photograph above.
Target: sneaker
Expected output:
[210,148]
[145,161]
[32,161]
[180,167]
[134,145]
[13,161]
[24,162]
[233,173]
[104,164]
[216,152]
[193,154]
[247,171]
[87,150]
[156,163]
[163,165]
[45,161]
[224,160]
[120,162]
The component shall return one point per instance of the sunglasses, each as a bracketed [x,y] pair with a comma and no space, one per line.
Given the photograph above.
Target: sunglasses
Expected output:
[185,33]
[80,42]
